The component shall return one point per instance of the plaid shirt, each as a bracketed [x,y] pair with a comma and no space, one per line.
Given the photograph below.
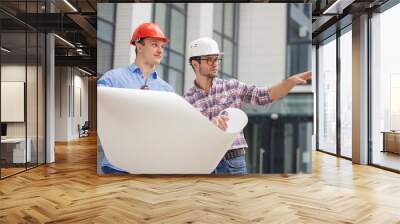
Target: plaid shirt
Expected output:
[224,94]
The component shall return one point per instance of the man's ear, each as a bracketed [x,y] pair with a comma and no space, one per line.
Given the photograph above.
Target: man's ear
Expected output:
[196,64]
[139,47]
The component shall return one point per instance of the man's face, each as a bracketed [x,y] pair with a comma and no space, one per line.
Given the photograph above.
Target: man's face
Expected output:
[152,50]
[208,65]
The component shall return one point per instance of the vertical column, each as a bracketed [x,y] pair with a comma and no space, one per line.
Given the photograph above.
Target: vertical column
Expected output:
[360,90]
[50,98]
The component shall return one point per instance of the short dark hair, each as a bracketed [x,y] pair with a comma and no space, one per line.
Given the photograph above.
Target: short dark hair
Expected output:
[140,41]
[195,58]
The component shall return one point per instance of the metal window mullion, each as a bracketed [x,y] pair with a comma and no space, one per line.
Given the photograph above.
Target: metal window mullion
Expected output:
[26,88]
[316,97]
[37,94]
[168,31]
[222,36]
[369,89]
[236,35]
[338,93]
[0,90]
[184,47]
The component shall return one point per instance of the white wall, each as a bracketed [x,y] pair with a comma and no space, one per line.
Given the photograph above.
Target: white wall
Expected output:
[15,72]
[67,117]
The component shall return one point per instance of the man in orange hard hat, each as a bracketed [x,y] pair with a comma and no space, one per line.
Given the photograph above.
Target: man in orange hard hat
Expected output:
[149,41]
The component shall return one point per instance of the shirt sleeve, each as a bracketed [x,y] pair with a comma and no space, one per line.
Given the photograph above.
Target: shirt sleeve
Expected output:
[252,94]
[170,88]
[104,81]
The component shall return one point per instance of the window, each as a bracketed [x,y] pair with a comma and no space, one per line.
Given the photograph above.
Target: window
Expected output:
[385,88]
[346,92]
[172,20]
[226,34]
[298,38]
[105,36]
[327,95]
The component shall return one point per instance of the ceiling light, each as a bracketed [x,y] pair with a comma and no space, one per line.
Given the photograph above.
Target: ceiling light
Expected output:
[70,5]
[84,71]
[5,49]
[337,7]
[65,41]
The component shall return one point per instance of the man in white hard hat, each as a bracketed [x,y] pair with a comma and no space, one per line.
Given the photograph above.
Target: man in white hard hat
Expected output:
[212,95]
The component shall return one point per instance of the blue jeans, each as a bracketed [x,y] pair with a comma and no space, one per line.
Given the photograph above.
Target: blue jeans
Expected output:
[235,165]
[109,170]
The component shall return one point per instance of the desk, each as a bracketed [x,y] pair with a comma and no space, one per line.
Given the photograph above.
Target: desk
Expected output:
[391,141]
[16,148]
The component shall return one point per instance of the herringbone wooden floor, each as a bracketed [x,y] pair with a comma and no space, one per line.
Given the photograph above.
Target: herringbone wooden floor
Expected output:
[70,191]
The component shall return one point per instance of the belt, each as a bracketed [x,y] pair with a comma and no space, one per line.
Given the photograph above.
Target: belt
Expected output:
[233,153]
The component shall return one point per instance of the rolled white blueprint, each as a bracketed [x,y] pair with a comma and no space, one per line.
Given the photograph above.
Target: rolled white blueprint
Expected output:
[154,132]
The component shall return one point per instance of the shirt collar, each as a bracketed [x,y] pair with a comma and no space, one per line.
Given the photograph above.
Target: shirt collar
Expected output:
[136,70]
[198,88]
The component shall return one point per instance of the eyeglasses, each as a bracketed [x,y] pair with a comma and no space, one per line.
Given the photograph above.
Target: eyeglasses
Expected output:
[211,61]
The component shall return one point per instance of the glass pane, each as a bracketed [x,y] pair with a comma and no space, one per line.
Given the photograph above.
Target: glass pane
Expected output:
[104,57]
[177,35]
[31,101]
[160,15]
[346,94]
[218,17]
[13,73]
[160,71]
[165,57]
[229,19]
[181,6]
[175,79]
[104,31]
[385,84]
[176,61]
[227,62]
[218,39]
[106,11]
[327,97]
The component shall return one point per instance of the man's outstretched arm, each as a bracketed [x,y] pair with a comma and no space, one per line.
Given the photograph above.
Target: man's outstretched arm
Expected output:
[282,89]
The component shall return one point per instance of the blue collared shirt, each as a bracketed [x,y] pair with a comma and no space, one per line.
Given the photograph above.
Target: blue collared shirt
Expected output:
[131,78]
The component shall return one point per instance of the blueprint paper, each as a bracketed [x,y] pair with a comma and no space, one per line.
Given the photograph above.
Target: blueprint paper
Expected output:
[154,132]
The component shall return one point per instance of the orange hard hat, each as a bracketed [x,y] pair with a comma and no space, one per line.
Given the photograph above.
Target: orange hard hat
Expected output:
[148,30]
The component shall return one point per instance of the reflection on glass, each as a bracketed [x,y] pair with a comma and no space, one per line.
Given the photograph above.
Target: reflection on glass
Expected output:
[106,11]
[218,17]
[176,60]
[327,97]
[14,151]
[177,36]
[160,15]
[175,79]
[346,94]
[227,64]
[229,19]
[104,31]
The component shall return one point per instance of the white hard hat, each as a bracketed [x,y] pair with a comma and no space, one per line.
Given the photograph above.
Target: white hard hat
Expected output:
[203,46]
